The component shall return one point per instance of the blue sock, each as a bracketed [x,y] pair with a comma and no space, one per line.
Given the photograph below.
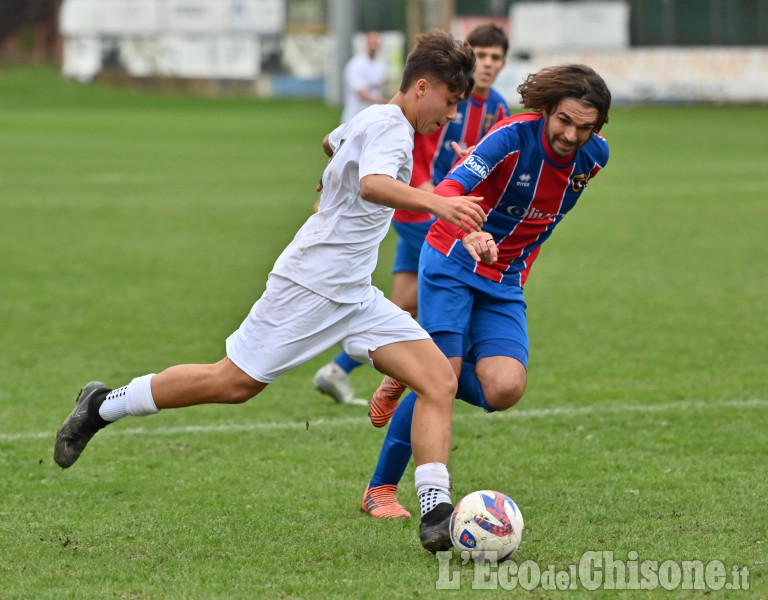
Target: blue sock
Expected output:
[396,450]
[346,362]
[470,388]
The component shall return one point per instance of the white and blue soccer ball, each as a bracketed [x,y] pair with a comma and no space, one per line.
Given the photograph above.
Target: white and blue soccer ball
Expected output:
[488,525]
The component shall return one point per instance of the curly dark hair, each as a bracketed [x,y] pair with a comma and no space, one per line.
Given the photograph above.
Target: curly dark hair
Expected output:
[543,91]
[437,55]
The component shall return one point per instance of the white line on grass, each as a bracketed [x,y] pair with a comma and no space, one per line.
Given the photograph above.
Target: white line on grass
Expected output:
[514,413]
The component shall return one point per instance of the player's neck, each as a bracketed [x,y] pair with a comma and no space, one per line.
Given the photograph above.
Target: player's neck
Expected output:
[481,93]
[400,100]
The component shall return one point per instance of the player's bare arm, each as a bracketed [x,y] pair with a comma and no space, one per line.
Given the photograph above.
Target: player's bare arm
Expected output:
[372,98]
[427,186]
[463,211]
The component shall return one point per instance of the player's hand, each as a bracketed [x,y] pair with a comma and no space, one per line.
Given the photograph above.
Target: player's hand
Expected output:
[463,211]
[460,152]
[482,247]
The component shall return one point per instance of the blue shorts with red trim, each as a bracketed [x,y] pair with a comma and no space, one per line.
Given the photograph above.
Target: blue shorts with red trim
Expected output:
[487,318]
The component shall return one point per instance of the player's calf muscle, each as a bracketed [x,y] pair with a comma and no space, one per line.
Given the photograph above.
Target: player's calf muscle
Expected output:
[188,385]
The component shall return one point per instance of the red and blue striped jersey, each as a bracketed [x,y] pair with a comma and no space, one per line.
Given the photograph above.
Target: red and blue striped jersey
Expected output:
[433,156]
[526,191]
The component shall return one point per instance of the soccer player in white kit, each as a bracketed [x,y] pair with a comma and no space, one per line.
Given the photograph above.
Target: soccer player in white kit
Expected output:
[320,294]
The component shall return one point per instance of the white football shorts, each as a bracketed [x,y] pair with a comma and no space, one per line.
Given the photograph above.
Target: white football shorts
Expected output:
[290,325]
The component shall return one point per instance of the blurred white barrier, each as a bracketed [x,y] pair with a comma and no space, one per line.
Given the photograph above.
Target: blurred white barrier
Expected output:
[224,39]
[129,17]
[212,57]
[597,33]
[82,17]
[728,75]
[537,26]
[218,39]
[82,57]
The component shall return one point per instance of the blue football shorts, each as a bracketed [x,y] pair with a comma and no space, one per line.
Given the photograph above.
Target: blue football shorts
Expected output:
[410,238]
[487,318]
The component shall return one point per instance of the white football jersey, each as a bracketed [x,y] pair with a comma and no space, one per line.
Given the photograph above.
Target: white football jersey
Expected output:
[335,251]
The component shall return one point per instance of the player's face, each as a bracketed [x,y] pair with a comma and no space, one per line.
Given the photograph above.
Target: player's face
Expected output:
[437,106]
[490,60]
[373,41]
[569,126]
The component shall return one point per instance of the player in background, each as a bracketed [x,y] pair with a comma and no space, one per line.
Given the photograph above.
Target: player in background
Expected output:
[433,157]
[319,292]
[365,79]
[531,169]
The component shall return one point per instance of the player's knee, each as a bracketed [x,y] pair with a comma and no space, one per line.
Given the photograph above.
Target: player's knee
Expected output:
[448,386]
[440,388]
[408,304]
[233,385]
[411,308]
[504,402]
[505,395]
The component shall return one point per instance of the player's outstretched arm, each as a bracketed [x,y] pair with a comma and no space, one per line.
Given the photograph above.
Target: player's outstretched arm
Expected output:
[463,211]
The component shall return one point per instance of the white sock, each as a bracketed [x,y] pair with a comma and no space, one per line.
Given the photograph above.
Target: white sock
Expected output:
[433,485]
[132,399]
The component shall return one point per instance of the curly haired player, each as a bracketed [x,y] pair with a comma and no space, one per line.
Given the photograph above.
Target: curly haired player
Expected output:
[531,169]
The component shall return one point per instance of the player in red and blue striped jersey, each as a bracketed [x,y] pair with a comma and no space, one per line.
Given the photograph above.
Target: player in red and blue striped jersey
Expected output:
[529,194]
[530,170]
[433,157]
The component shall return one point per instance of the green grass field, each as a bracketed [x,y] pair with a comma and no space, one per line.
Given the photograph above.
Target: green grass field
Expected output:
[137,230]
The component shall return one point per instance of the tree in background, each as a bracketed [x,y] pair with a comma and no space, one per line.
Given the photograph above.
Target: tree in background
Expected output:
[29,30]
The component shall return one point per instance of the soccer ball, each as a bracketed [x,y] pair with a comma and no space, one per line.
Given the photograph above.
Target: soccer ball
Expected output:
[488,524]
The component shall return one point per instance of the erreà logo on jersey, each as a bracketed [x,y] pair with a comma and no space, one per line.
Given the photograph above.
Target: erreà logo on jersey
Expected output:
[477,166]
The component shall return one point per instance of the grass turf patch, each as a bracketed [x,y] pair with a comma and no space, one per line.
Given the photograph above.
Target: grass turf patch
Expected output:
[137,231]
